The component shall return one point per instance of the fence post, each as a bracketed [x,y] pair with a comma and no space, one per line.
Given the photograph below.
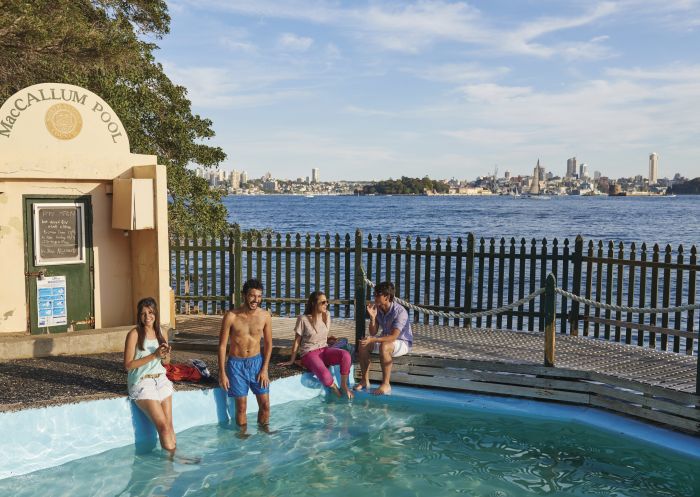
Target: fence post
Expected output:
[360,297]
[469,279]
[238,267]
[549,320]
[697,375]
[576,284]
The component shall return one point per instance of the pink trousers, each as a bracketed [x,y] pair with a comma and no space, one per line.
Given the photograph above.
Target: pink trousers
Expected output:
[317,361]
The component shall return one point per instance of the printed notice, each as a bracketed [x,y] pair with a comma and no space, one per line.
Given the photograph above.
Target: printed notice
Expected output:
[51,301]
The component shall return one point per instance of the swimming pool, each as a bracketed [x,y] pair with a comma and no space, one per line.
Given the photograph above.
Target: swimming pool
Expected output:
[417,442]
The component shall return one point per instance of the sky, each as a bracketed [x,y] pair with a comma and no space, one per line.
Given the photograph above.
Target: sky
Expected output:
[370,90]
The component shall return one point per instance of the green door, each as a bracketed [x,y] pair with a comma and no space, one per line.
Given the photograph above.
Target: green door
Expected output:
[58,263]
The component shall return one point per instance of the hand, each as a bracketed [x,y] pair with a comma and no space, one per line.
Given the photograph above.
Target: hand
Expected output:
[372,311]
[163,350]
[223,381]
[367,341]
[286,363]
[263,379]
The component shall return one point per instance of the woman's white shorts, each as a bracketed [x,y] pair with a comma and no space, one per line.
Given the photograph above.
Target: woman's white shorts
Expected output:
[159,389]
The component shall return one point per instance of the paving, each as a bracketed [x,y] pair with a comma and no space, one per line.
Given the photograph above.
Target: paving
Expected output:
[38,382]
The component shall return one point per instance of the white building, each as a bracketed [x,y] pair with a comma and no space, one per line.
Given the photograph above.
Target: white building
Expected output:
[653,168]
[234,179]
[315,175]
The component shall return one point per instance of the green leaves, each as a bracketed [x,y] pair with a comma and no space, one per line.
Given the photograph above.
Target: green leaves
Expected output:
[95,44]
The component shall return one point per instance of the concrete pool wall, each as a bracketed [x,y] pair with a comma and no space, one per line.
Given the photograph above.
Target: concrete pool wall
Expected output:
[36,439]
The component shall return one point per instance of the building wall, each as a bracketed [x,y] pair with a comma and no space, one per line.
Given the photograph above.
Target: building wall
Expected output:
[59,140]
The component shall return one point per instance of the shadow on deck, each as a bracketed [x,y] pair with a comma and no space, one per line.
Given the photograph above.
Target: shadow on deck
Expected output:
[644,383]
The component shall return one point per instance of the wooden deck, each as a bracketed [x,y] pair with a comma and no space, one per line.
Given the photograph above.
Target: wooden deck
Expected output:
[656,386]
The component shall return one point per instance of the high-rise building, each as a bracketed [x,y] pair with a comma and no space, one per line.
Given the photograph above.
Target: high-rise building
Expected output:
[597,175]
[507,175]
[234,179]
[244,177]
[653,168]
[315,175]
[571,167]
[583,171]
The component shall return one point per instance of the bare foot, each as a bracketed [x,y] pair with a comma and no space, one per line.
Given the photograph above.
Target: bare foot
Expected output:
[335,390]
[362,386]
[382,390]
[348,392]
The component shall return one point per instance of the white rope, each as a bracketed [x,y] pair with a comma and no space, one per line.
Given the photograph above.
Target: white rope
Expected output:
[463,315]
[560,291]
[622,308]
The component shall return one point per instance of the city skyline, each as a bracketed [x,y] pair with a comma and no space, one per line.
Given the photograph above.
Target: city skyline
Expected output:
[371,90]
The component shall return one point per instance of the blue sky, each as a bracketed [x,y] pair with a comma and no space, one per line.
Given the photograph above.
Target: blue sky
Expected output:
[379,89]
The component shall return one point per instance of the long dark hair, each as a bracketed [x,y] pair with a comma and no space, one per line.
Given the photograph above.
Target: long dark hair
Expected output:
[310,309]
[141,327]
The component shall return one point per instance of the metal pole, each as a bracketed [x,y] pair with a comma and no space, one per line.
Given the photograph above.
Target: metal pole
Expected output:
[549,320]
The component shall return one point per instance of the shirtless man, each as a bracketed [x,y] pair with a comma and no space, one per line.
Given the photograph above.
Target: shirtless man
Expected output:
[245,367]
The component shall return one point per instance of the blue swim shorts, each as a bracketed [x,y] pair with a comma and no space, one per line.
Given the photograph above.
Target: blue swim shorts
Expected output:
[242,374]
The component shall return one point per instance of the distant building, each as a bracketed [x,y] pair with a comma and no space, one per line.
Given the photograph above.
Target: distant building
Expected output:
[270,185]
[583,171]
[315,175]
[571,166]
[234,180]
[507,175]
[244,177]
[653,168]
[597,175]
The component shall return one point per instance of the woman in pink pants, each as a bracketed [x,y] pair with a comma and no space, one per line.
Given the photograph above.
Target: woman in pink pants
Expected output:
[311,342]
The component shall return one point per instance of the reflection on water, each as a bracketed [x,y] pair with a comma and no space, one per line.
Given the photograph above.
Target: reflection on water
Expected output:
[396,448]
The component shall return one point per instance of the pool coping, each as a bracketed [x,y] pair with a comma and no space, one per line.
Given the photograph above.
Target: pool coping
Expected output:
[47,437]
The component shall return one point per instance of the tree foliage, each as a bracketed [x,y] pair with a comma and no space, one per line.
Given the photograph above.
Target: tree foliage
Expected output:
[690,187]
[406,186]
[103,45]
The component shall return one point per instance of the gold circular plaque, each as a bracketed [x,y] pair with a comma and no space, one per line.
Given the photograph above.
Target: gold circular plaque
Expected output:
[63,121]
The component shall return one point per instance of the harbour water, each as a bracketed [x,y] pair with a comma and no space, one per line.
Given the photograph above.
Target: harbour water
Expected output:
[662,220]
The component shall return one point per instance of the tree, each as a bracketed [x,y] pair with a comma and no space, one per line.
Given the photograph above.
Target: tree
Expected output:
[100,45]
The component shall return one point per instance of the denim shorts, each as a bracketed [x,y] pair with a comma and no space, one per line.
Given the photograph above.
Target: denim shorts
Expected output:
[242,374]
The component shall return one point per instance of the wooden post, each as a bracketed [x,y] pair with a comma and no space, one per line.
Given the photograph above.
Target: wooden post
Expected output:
[238,277]
[549,320]
[697,375]
[360,296]
[576,284]
[469,279]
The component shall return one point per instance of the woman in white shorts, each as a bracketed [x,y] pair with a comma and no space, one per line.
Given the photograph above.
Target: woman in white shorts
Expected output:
[149,388]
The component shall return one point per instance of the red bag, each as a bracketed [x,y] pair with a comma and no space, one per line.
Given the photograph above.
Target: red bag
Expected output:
[182,372]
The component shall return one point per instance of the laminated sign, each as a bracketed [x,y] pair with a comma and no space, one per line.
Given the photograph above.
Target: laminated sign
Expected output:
[51,299]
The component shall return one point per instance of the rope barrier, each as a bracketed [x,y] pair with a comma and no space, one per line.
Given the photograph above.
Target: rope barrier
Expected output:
[622,308]
[461,315]
[518,303]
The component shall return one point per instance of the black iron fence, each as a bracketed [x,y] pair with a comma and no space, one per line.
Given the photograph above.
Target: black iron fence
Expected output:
[463,276]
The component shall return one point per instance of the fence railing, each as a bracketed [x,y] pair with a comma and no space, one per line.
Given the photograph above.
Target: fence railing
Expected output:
[464,275]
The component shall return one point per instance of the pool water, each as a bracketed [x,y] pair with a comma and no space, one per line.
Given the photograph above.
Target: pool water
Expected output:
[386,447]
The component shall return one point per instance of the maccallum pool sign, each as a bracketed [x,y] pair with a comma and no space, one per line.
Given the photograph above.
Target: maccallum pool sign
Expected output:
[62,119]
